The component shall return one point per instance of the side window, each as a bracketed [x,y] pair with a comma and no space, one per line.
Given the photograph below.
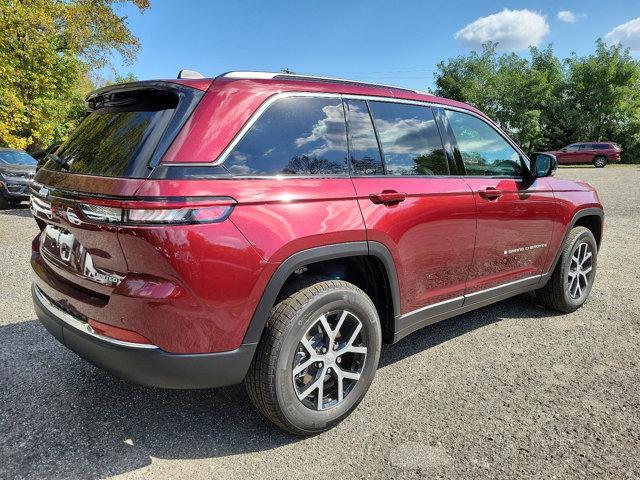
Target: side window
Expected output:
[410,139]
[573,148]
[585,146]
[363,147]
[294,136]
[484,151]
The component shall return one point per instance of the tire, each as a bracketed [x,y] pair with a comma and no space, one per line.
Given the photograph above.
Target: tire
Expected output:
[570,284]
[600,162]
[295,336]
[4,204]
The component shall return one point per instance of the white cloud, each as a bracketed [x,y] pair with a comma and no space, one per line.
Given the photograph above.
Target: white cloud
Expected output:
[627,34]
[512,29]
[567,16]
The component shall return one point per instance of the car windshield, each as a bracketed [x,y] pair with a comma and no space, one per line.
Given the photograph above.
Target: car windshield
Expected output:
[16,157]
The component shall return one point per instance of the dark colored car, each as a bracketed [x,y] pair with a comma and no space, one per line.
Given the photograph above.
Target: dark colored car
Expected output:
[17,169]
[277,229]
[596,153]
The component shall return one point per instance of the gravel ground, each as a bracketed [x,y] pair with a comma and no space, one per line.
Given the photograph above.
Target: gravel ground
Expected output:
[511,390]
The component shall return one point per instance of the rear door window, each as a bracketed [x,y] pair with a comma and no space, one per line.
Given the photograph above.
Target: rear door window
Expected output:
[121,132]
[363,147]
[410,140]
[294,136]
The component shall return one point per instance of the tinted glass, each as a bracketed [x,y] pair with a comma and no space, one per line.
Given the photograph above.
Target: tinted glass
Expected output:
[572,148]
[410,139]
[364,151]
[601,146]
[586,146]
[294,136]
[484,151]
[15,157]
[119,136]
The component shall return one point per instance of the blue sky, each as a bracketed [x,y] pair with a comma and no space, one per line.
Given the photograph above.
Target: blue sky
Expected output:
[397,42]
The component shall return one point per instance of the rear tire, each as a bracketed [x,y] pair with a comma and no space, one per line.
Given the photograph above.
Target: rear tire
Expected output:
[600,162]
[317,357]
[572,279]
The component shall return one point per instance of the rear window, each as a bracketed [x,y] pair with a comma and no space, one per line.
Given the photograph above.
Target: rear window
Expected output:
[120,134]
[294,136]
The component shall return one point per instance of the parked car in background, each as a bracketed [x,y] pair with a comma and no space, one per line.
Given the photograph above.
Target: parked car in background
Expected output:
[277,228]
[17,169]
[597,153]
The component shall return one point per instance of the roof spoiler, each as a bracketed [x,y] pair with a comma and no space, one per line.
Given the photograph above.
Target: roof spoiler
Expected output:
[190,74]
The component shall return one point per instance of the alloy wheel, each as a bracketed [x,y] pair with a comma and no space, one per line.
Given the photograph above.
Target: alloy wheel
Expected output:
[329,360]
[580,271]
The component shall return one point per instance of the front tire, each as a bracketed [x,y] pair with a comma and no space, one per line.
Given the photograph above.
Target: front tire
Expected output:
[317,357]
[600,162]
[572,279]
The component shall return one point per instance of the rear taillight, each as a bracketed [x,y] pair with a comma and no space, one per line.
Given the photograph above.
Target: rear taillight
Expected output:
[158,212]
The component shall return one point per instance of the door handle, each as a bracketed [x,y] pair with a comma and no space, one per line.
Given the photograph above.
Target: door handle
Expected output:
[490,193]
[387,197]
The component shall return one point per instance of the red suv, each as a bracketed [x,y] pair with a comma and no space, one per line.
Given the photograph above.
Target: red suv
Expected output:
[597,153]
[277,229]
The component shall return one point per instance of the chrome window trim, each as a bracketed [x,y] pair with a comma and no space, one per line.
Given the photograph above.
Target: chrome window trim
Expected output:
[84,327]
[374,98]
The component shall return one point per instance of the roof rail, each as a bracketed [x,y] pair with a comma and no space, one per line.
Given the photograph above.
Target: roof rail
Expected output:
[309,78]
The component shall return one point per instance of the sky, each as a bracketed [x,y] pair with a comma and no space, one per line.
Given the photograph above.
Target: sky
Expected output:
[392,42]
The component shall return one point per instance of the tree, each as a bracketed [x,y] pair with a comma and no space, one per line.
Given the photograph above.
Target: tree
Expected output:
[545,103]
[605,88]
[48,50]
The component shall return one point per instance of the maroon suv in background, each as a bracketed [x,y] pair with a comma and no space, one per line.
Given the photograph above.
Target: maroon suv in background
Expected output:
[597,153]
[276,229]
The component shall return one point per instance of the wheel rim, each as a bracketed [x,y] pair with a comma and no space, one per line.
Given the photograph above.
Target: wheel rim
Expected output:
[580,271]
[329,360]
[599,162]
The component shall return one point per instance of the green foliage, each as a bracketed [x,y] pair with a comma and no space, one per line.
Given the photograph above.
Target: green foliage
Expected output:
[48,49]
[546,103]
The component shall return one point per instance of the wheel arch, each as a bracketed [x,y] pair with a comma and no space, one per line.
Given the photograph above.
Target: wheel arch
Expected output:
[591,218]
[318,255]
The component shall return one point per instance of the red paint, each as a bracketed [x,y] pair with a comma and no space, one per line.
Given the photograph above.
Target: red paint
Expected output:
[430,234]
[194,288]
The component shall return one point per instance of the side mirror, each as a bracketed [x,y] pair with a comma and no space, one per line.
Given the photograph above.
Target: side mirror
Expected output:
[564,149]
[543,164]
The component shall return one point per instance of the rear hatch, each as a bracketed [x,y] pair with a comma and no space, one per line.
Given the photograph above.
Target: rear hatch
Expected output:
[76,195]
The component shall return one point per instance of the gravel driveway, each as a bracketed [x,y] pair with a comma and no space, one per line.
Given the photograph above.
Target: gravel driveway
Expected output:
[511,390]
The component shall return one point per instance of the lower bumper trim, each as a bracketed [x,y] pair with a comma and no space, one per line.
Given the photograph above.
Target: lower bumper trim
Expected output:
[146,366]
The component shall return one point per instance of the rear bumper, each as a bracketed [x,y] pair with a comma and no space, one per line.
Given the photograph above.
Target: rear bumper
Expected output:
[142,363]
